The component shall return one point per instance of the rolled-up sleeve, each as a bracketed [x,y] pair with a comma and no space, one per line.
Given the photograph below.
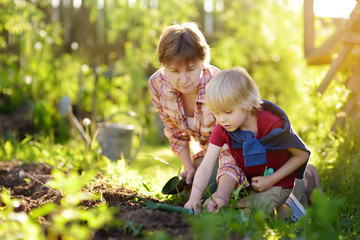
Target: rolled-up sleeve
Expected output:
[178,139]
[228,166]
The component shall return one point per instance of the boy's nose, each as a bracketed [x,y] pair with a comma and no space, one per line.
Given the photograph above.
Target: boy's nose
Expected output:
[222,118]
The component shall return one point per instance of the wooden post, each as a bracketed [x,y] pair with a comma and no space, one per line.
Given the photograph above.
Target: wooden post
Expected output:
[335,66]
[351,107]
[309,32]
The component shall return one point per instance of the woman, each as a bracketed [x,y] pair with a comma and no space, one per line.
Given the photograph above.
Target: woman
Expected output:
[177,90]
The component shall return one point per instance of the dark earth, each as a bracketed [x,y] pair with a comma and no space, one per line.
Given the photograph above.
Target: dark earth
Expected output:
[33,194]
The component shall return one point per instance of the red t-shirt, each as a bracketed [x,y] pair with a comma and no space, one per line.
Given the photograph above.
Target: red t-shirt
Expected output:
[266,122]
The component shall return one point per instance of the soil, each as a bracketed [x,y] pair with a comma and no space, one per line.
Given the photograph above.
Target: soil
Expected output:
[34,194]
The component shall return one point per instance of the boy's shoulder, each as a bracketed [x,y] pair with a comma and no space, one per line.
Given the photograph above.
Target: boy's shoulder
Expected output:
[267,121]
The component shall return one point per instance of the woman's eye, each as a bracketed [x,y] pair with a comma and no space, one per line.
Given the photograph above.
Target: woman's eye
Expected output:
[191,68]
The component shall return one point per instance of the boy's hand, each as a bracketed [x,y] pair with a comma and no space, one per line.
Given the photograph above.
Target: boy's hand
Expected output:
[214,203]
[194,205]
[261,183]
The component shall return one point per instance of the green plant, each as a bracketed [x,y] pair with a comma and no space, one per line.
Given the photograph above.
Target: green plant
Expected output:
[318,222]
[135,229]
[340,168]
[69,220]
[208,226]
[16,225]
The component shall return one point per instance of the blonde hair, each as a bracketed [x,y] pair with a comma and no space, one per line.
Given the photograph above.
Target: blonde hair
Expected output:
[183,44]
[232,88]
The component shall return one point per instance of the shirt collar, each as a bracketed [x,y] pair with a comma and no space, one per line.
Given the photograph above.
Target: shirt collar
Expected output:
[202,86]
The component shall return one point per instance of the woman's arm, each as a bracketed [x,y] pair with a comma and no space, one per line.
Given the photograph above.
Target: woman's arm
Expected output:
[189,167]
[202,177]
[298,158]
[179,140]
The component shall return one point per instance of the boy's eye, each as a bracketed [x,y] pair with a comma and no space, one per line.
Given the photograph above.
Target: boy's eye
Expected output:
[228,112]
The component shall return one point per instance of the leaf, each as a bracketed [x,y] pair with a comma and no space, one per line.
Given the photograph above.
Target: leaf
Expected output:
[144,185]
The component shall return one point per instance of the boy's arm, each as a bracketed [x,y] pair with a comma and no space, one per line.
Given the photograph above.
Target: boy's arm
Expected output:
[202,177]
[222,195]
[298,158]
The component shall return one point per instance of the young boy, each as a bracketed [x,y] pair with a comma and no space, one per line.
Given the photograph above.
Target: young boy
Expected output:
[260,139]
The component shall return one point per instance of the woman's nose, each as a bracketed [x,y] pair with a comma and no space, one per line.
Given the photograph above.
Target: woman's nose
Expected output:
[183,77]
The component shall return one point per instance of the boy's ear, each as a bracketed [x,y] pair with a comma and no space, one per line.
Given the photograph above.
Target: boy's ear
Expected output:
[249,109]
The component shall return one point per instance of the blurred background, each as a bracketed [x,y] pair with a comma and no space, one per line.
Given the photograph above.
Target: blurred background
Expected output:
[101,53]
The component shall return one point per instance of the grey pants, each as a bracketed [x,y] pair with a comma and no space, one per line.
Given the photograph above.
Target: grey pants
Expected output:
[212,185]
[299,192]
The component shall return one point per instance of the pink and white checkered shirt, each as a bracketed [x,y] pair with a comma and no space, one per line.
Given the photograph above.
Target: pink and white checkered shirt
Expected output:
[169,104]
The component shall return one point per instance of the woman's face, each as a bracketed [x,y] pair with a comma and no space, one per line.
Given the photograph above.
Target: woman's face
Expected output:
[184,78]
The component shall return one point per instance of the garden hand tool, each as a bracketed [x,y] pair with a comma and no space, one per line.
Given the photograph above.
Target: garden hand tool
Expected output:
[174,186]
[161,206]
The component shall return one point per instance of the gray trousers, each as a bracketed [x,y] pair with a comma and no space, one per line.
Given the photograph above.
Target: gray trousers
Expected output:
[212,185]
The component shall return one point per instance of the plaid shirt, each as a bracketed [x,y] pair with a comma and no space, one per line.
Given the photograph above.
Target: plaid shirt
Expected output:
[169,104]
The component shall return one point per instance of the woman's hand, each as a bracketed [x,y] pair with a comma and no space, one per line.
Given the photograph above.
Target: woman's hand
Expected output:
[189,174]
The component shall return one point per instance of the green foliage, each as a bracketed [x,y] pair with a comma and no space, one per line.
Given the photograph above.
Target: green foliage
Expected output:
[318,223]
[209,226]
[44,150]
[30,65]
[342,178]
[134,228]
[136,29]
[16,225]
[67,220]
[229,223]
[266,45]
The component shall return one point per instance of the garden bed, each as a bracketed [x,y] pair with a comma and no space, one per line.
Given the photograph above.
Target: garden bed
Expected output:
[34,194]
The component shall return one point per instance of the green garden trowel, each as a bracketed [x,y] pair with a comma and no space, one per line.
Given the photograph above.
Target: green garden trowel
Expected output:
[160,206]
[174,186]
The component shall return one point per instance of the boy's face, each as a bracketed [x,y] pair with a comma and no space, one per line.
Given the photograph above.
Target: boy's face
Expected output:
[233,119]
[184,78]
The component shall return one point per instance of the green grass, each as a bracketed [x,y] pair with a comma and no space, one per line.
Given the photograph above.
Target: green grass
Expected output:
[158,161]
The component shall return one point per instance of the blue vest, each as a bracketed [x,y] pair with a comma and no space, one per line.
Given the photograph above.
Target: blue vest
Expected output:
[254,150]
